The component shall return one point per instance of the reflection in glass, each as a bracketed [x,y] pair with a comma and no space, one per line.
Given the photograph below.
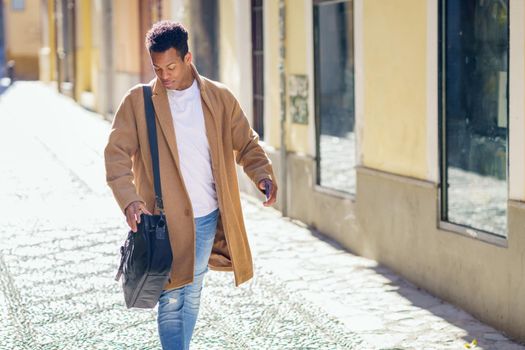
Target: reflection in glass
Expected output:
[334,83]
[475,109]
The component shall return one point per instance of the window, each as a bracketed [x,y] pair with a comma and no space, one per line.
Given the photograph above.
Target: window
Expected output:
[204,18]
[18,5]
[334,94]
[474,113]
[258,67]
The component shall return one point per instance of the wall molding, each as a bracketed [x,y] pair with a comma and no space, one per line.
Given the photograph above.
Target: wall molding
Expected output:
[396,177]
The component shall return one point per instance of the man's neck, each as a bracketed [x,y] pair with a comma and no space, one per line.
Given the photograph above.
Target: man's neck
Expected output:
[187,82]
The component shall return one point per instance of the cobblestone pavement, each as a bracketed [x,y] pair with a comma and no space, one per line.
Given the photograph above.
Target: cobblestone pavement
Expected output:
[59,239]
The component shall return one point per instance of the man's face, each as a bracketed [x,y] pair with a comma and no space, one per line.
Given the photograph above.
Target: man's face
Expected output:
[172,71]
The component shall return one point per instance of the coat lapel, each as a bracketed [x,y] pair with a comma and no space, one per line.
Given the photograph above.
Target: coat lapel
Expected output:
[212,126]
[163,114]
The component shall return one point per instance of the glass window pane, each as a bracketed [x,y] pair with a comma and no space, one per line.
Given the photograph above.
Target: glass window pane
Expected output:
[334,68]
[18,5]
[476,112]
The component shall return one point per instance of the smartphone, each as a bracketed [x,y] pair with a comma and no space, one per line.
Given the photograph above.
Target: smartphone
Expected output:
[267,188]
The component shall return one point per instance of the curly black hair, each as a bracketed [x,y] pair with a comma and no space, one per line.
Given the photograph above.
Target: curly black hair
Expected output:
[164,35]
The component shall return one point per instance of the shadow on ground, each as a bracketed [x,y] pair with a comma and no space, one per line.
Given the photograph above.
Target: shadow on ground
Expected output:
[422,299]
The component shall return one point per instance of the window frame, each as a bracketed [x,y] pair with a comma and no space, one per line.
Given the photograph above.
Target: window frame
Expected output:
[442,205]
[317,116]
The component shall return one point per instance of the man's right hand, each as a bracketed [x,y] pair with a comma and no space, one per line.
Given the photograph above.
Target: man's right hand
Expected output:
[133,212]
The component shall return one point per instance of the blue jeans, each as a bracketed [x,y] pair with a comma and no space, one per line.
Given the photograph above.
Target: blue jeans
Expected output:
[178,308]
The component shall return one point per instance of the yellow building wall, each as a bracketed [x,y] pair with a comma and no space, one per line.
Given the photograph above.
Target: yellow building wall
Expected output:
[47,53]
[22,40]
[97,36]
[84,49]
[95,69]
[394,44]
[127,41]
[229,61]
[167,9]
[296,63]
[52,41]
[235,51]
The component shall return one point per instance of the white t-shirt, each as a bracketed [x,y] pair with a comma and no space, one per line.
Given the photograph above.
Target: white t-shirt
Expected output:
[193,147]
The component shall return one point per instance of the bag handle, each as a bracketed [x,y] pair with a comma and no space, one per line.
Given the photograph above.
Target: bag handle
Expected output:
[152,136]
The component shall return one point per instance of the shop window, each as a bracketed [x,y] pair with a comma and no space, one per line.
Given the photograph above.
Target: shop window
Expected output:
[18,5]
[474,114]
[334,94]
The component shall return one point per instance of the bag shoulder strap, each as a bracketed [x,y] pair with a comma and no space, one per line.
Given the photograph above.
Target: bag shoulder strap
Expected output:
[152,137]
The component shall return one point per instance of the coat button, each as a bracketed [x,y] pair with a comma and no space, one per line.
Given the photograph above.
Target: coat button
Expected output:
[187,212]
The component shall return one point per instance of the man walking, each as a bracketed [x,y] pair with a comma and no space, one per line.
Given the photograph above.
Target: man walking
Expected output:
[202,133]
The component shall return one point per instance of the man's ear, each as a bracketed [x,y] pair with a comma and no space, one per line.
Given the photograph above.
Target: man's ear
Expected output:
[188,58]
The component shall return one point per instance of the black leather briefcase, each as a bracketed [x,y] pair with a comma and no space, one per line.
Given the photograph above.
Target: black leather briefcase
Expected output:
[145,262]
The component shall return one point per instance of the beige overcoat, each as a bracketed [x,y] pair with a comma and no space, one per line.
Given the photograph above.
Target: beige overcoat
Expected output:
[231,139]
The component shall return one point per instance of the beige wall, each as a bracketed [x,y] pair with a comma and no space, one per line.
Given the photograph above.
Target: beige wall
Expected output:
[484,279]
[85,53]
[126,47]
[235,63]
[23,39]
[297,64]
[47,56]
[127,43]
[178,11]
[394,43]
[298,136]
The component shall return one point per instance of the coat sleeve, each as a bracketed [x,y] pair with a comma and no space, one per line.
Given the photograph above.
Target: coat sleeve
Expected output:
[249,154]
[120,149]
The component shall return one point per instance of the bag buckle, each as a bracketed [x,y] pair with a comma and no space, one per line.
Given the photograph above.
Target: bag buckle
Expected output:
[160,228]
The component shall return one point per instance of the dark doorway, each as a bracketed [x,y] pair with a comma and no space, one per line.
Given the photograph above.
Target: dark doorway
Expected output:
[205,32]
[258,66]
[2,43]
[65,31]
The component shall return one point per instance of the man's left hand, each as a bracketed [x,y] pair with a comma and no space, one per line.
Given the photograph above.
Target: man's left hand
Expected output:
[273,195]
